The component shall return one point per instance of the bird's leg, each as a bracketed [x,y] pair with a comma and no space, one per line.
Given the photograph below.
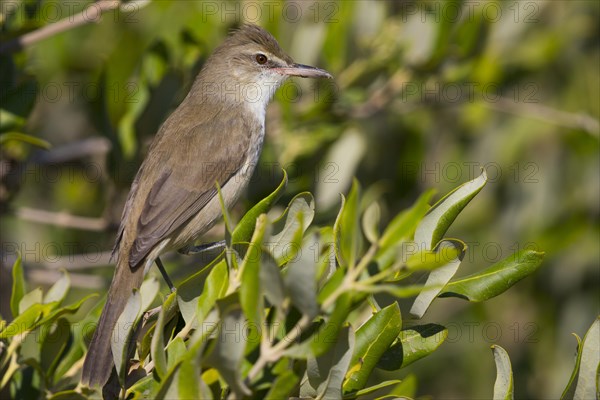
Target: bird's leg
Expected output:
[162,270]
[201,248]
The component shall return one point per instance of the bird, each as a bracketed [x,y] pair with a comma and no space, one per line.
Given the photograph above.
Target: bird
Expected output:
[214,136]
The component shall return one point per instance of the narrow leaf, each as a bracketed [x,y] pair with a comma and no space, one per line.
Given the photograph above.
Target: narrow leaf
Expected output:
[429,260]
[230,344]
[413,344]
[569,392]
[587,379]
[157,349]
[300,279]
[243,230]
[438,278]
[26,321]
[439,218]
[18,286]
[211,278]
[373,338]
[250,290]
[188,381]
[325,374]
[31,298]
[283,385]
[496,279]
[271,280]
[404,224]
[370,222]
[122,331]
[22,137]
[290,226]
[347,228]
[58,291]
[503,388]
[371,389]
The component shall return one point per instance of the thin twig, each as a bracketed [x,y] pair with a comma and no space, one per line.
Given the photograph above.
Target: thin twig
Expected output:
[62,218]
[91,13]
[548,114]
[49,277]
[276,351]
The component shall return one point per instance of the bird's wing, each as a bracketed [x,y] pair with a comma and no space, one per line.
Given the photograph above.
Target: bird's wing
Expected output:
[214,151]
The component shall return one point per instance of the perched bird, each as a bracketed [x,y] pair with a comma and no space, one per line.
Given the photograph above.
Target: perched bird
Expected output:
[214,136]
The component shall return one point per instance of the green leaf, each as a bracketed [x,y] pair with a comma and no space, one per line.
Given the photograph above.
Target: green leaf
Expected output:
[325,374]
[226,220]
[430,231]
[270,280]
[68,395]
[58,291]
[428,260]
[439,218]
[27,320]
[404,224]
[18,286]
[283,385]
[439,277]
[347,229]
[214,288]
[399,231]
[413,344]
[588,364]
[31,298]
[176,352]
[122,331]
[229,347]
[300,279]
[20,100]
[212,278]
[76,349]
[250,289]
[496,279]
[243,230]
[370,222]
[398,291]
[290,226]
[148,290]
[406,388]
[70,309]
[371,389]
[157,348]
[569,392]
[503,388]
[22,137]
[138,100]
[188,380]
[329,331]
[54,346]
[147,385]
[334,281]
[137,303]
[373,338]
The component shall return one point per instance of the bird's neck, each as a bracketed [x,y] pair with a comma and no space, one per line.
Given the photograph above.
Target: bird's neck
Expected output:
[235,93]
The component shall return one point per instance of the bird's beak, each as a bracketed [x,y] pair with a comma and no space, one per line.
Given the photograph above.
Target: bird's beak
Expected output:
[304,71]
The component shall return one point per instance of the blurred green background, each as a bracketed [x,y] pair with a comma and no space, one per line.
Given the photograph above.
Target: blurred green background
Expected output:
[425,94]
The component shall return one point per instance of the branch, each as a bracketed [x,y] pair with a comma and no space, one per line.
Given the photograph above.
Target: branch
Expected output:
[91,13]
[551,115]
[62,219]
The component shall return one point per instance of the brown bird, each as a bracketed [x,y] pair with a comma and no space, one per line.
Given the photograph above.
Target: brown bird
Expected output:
[214,136]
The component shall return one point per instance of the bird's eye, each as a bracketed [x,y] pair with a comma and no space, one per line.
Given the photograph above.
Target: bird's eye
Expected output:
[261,58]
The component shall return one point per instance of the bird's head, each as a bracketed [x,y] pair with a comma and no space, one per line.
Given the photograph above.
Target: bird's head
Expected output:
[251,57]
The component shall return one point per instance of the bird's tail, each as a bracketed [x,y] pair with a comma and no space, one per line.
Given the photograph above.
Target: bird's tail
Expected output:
[99,363]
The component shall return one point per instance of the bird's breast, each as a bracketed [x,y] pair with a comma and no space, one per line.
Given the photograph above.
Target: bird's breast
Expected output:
[254,148]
